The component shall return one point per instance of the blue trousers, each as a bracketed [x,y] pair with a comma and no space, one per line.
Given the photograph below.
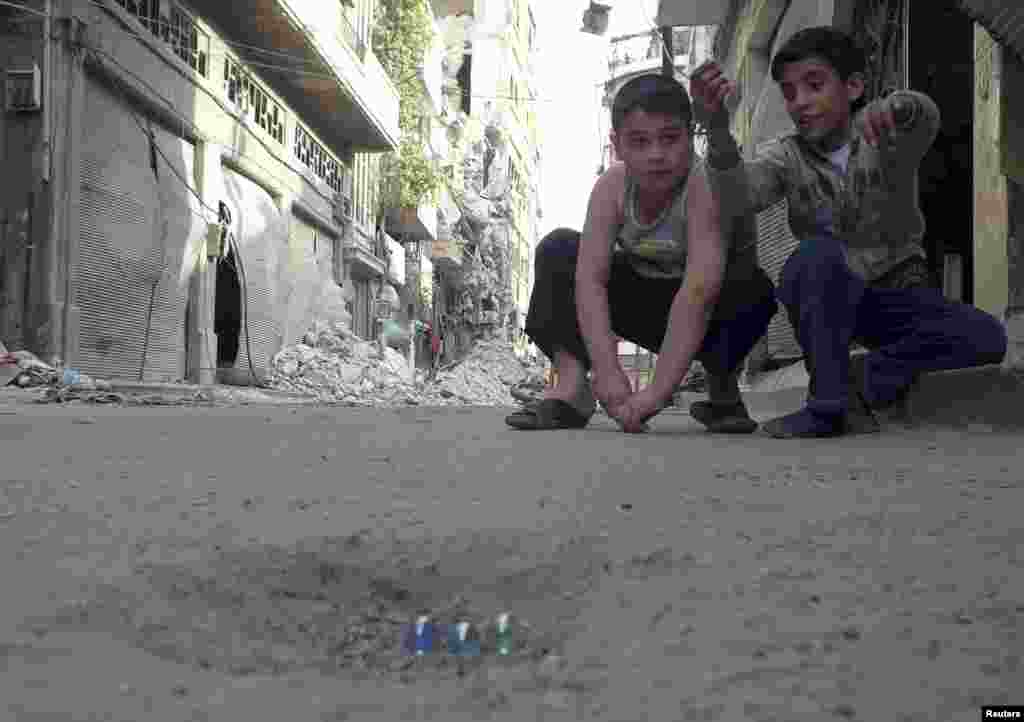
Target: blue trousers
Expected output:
[908,331]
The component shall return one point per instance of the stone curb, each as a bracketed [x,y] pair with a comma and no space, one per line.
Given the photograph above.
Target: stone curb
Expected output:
[990,396]
[979,399]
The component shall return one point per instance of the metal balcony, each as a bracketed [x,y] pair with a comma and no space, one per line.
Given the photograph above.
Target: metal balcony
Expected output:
[309,53]
[367,255]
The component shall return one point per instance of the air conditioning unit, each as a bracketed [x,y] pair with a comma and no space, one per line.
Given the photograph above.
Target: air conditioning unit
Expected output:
[24,89]
[342,208]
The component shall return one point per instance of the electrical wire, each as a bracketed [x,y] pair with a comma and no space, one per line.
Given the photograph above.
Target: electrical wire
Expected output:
[291,69]
[184,120]
[240,267]
[23,8]
[154,146]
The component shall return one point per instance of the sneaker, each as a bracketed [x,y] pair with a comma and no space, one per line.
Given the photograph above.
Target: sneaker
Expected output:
[724,418]
[805,424]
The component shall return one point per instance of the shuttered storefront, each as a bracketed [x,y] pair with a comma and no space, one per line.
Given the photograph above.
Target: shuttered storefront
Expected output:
[262,237]
[362,311]
[301,277]
[313,292]
[776,243]
[134,228]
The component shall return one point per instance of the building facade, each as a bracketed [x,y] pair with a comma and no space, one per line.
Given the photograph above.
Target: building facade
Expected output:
[158,125]
[483,254]
[969,56]
[642,53]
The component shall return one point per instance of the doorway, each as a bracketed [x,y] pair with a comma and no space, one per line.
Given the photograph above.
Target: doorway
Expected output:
[227,312]
[941,65]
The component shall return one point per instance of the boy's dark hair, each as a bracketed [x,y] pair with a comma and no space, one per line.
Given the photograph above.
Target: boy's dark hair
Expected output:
[652,93]
[833,46]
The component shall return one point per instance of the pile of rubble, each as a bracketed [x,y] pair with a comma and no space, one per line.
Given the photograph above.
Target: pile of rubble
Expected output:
[336,366]
[25,370]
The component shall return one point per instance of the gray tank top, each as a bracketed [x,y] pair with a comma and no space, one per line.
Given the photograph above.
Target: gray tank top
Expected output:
[659,249]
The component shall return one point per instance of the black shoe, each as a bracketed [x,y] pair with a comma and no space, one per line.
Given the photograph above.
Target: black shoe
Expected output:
[860,417]
[805,424]
[723,418]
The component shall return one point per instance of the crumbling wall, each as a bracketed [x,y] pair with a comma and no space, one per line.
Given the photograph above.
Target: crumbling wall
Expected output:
[485,295]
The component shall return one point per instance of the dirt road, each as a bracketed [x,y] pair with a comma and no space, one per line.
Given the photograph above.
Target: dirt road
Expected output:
[259,563]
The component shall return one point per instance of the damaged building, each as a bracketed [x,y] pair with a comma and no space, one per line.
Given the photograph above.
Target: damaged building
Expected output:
[481,258]
[202,183]
[196,186]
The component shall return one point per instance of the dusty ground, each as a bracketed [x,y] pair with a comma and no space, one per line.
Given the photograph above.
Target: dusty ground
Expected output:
[256,563]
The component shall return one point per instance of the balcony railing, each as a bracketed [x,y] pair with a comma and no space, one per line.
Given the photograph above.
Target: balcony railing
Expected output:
[176,28]
[319,160]
[252,100]
[375,244]
[353,38]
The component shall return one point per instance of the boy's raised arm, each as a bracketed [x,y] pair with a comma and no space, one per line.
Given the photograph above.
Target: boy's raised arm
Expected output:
[741,187]
[745,186]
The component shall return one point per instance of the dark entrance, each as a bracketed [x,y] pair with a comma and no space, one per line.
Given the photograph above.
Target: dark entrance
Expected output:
[941,45]
[227,312]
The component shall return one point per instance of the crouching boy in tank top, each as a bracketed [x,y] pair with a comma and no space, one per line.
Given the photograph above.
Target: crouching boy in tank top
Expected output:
[654,265]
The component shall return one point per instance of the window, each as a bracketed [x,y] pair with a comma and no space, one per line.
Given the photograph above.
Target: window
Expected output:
[176,28]
[252,100]
[318,159]
[464,77]
[366,191]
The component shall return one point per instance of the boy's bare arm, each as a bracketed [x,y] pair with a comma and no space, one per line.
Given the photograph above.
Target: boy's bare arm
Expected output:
[593,268]
[691,309]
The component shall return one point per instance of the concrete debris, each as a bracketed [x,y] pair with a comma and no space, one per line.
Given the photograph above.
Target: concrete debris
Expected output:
[31,371]
[24,369]
[334,365]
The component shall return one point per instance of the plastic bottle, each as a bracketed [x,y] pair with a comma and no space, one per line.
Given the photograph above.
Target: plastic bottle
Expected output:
[420,637]
[503,634]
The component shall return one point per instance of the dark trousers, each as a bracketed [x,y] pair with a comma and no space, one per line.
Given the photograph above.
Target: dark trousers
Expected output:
[640,308]
[909,331]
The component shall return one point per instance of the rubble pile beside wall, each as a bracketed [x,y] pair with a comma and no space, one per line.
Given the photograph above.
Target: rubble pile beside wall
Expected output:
[335,366]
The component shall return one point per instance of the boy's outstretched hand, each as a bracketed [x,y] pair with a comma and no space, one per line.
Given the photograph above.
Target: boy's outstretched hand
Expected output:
[876,122]
[638,408]
[611,387]
[709,88]
[883,116]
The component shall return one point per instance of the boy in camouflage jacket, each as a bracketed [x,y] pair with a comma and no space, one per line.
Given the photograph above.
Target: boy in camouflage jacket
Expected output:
[859,272]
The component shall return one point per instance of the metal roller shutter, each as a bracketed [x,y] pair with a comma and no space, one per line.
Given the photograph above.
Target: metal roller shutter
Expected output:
[304,276]
[263,239]
[134,229]
[776,243]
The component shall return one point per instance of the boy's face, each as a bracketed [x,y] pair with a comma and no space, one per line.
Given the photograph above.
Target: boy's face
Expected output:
[655,148]
[818,100]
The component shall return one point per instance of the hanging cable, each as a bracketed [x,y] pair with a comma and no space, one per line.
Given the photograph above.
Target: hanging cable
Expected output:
[23,8]
[240,267]
[291,69]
